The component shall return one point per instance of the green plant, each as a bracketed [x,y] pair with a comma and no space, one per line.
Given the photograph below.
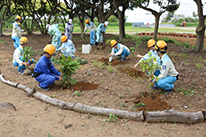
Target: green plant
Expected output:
[150,65]
[79,49]
[186,63]
[80,61]
[27,53]
[141,104]
[68,67]
[132,49]
[199,65]
[111,117]
[123,105]
[110,68]
[76,93]
[189,92]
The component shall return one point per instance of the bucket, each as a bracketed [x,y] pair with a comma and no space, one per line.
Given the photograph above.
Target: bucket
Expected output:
[86,48]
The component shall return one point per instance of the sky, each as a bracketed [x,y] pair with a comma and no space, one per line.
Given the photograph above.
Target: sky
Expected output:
[186,8]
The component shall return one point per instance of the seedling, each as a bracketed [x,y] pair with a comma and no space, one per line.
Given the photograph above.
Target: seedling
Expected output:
[150,65]
[199,65]
[80,61]
[27,52]
[140,105]
[76,93]
[132,49]
[68,68]
[110,68]
[111,117]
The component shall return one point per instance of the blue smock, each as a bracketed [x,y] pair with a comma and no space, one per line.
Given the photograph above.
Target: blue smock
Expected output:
[47,72]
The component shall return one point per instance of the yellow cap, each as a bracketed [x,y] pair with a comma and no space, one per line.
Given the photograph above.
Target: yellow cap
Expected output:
[151,43]
[23,40]
[87,21]
[63,38]
[49,48]
[113,42]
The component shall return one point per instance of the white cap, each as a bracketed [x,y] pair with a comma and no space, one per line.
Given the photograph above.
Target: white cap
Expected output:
[70,21]
[106,23]
[47,26]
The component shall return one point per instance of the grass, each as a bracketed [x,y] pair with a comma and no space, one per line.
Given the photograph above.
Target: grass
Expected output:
[113,27]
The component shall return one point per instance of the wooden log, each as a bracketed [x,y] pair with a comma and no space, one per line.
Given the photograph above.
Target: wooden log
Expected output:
[106,111]
[76,106]
[174,116]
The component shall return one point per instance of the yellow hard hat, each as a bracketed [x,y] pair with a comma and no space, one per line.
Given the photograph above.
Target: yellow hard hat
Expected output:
[63,38]
[49,48]
[87,21]
[151,43]
[18,17]
[161,45]
[23,40]
[113,43]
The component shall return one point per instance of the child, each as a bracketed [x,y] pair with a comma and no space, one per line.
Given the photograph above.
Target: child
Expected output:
[18,56]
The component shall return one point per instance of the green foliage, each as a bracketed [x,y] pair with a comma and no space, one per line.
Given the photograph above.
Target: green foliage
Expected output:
[141,104]
[132,49]
[189,92]
[49,135]
[80,61]
[199,65]
[76,93]
[27,53]
[150,65]
[99,64]
[68,67]
[168,40]
[111,117]
[113,18]
[110,68]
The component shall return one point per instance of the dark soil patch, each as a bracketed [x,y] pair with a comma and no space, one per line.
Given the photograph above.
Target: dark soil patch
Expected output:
[145,102]
[132,72]
[84,86]
[113,62]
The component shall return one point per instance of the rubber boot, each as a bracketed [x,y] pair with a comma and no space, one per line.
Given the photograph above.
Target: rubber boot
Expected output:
[96,44]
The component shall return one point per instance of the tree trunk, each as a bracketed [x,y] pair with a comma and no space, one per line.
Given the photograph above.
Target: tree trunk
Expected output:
[157,18]
[121,24]
[2,20]
[200,30]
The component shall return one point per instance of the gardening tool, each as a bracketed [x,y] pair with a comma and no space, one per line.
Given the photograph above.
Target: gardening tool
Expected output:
[110,58]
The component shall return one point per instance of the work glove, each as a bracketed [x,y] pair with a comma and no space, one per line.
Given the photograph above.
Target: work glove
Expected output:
[71,31]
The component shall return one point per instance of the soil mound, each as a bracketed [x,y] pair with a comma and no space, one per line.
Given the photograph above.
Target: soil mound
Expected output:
[84,86]
[150,103]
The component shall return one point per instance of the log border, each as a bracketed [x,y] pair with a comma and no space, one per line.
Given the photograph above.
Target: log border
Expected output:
[158,116]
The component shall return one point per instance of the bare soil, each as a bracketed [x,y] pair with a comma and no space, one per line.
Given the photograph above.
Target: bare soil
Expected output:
[123,88]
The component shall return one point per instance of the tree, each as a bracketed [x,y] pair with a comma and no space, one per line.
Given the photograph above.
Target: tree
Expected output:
[5,13]
[200,30]
[120,14]
[104,8]
[170,5]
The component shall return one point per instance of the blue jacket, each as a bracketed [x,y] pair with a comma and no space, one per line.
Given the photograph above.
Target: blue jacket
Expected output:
[101,28]
[44,65]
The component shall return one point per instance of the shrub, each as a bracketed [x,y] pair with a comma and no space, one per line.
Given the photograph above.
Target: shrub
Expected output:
[68,67]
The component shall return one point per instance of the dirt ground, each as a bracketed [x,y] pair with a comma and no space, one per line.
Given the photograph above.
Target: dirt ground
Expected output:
[119,87]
